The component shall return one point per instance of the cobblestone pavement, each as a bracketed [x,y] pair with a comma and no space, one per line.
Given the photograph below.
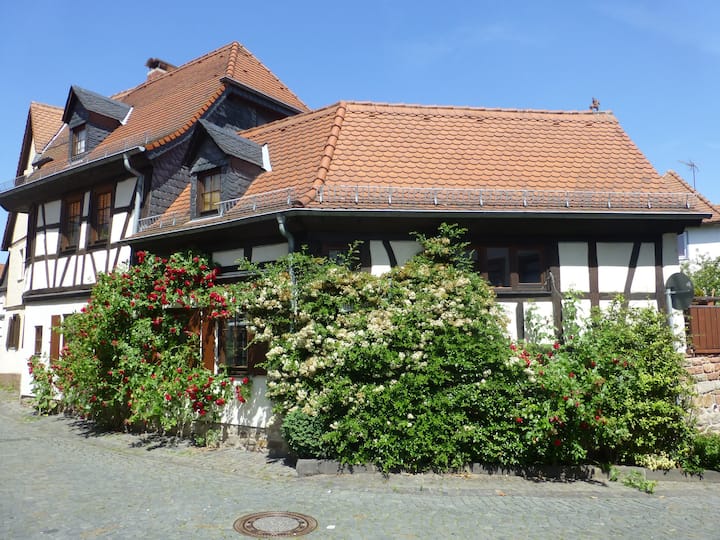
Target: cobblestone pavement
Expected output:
[61,481]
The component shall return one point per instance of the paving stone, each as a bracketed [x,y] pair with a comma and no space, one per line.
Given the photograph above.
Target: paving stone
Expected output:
[62,480]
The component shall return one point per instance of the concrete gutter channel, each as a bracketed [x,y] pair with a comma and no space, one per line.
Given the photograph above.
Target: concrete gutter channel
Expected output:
[315,467]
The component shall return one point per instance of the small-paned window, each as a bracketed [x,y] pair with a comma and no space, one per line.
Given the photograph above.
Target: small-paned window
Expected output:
[237,352]
[70,223]
[208,192]
[38,340]
[13,335]
[79,140]
[101,215]
[512,268]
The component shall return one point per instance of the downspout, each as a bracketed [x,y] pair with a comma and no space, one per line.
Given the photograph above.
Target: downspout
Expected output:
[139,190]
[291,249]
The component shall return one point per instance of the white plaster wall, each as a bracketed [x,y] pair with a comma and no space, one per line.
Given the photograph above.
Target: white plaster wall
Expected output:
[510,309]
[271,252]
[40,275]
[124,192]
[41,241]
[11,360]
[229,257]
[256,412]
[39,314]
[574,273]
[644,278]
[404,250]
[379,258]
[20,231]
[613,260]
[66,266]
[116,227]
[703,240]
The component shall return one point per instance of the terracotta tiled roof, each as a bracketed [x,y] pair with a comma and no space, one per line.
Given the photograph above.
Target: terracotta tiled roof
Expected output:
[167,106]
[46,121]
[407,147]
[673,179]
[370,155]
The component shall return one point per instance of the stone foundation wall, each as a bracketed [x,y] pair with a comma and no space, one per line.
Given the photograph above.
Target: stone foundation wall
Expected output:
[705,370]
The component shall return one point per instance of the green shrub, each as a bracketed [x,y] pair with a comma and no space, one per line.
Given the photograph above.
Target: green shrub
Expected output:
[706,451]
[303,434]
[413,370]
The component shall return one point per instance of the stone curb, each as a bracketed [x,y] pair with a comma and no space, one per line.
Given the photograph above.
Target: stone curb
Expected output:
[315,467]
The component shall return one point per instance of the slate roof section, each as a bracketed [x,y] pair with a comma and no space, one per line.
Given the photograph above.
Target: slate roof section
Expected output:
[97,103]
[369,156]
[233,144]
[167,106]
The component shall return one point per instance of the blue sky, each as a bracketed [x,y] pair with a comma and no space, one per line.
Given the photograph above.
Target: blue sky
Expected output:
[655,64]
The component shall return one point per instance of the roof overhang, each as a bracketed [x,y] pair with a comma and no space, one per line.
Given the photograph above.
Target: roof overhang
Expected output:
[81,176]
[611,222]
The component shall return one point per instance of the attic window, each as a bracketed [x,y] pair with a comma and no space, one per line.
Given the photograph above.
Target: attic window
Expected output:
[208,192]
[79,138]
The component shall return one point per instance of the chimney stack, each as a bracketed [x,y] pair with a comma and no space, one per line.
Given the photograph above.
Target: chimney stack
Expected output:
[157,67]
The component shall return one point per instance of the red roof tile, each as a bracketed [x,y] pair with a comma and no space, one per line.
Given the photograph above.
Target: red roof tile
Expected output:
[673,179]
[46,121]
[408,147]
[166,106]
[370,155]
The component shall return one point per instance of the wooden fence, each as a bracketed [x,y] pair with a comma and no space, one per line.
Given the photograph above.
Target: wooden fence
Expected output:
[704,328]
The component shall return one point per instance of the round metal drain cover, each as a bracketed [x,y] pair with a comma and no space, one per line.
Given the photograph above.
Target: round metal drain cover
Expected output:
[275,524]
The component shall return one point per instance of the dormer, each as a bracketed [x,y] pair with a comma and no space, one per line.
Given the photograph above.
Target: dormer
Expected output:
[90,118]
[222,165]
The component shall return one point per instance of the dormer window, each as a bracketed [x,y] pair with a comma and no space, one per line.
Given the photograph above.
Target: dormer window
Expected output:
[208,192]
[79,139]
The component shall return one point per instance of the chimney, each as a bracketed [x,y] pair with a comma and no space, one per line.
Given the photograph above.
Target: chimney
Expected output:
[157,67]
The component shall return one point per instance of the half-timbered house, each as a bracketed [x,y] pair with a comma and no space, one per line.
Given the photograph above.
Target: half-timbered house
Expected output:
[206,156]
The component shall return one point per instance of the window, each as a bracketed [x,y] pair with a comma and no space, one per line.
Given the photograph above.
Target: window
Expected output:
[13,335]
[682,245]
[38,340]
[79,139]
[234,351]
[208,192]
[100,215]
[70,223]
[512,268]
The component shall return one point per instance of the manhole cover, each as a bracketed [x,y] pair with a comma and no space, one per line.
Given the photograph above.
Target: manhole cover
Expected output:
[275,524]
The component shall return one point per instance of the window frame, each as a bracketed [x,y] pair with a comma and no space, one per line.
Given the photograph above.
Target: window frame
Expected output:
[514,251]
[203,206]
[66,243]
[95,223]
[78,143]
[251,353]
[12,341]
[38,340]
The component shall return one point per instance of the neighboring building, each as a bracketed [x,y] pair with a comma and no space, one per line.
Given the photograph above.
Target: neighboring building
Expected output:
[223,158]
[43,123]
[698,241]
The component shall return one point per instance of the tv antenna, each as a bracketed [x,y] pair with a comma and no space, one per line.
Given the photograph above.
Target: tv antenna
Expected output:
[693,167]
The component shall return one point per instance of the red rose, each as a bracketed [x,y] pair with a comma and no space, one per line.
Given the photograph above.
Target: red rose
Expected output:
[557,442]
[168,397]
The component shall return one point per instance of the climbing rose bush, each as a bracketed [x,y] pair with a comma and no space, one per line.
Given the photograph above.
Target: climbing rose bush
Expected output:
[132,356]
